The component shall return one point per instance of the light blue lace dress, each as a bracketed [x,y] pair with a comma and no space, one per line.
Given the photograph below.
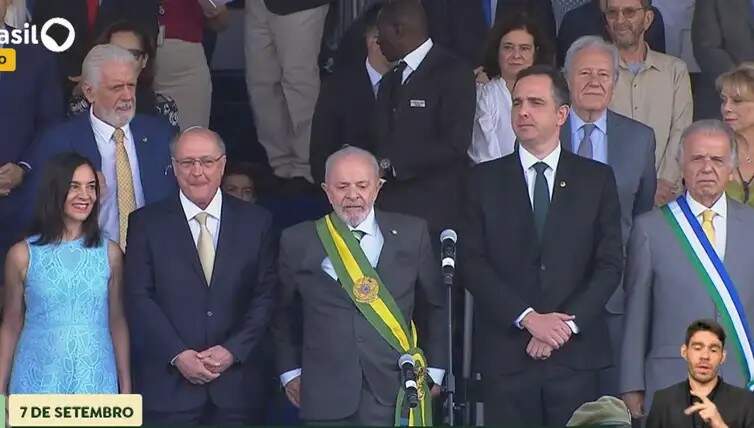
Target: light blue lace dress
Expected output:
[65,345]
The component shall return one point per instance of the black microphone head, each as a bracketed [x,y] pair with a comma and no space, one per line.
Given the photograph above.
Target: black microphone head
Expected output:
[449,234]
[405,358]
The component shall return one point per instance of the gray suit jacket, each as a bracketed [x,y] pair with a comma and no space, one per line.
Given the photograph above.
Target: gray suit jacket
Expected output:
[330,339]
[631,154]
[723,34]
[664,295]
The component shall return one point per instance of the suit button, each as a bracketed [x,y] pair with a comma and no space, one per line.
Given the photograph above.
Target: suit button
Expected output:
[209,313]
[542,267]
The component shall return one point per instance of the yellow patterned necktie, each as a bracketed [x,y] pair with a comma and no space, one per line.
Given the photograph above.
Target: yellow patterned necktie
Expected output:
[205,247]
[707,226]
[125,185]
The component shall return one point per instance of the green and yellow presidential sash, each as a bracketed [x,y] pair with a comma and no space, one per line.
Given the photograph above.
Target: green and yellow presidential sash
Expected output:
[365,288]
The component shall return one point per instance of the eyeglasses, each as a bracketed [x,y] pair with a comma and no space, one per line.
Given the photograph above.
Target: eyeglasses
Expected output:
[628,12]
[205,162]
[137,53]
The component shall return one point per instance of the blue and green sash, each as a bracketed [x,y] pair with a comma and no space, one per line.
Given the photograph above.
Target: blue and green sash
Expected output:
[716,280]
[365,288]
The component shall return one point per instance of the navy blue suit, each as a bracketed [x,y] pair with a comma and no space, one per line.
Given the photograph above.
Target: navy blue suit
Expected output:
[151,136]
[30,101]
[171,308]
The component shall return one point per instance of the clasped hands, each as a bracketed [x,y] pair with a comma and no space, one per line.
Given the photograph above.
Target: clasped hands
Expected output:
[549,332]
[203,367]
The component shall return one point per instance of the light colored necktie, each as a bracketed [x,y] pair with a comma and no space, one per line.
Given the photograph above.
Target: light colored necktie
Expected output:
[358,234]
[585,148]
[205,247]
[707,226]
[125,185]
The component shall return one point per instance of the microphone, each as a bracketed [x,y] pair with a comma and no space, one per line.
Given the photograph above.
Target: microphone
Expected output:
[448,239]
[406,364]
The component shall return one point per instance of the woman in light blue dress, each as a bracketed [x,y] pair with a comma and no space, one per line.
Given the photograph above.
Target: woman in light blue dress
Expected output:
[64,330]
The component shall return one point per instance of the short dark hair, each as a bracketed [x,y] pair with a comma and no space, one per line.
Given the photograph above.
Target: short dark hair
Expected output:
[369,17]
[705,325]
[408,13]
[52,194]
[646,4]
[148,45]
[559,85]
[520,20]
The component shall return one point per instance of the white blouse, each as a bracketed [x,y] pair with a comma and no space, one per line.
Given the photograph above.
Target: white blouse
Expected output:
[493,135]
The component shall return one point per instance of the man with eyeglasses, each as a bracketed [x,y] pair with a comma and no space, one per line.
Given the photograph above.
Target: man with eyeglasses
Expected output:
[199,280]
[129,150]
[652,88]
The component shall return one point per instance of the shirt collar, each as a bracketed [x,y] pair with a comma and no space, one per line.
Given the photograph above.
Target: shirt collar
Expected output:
[651,60]
[374,75]
[104,129]
[720,207]
[577,122]
[368,226]
[214,209]
[416,56]
[528,160]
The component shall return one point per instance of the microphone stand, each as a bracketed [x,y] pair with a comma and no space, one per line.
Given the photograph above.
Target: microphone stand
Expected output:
[450,379]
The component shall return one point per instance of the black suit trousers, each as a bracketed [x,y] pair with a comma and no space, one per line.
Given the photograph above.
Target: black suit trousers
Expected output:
[545,396]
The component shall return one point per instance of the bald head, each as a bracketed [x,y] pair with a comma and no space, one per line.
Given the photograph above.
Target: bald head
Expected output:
[403,27]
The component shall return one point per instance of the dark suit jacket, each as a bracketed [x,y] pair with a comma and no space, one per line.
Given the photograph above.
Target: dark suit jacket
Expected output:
[151,138]
[736,406]
[343,114]
[171,308]
[575,269]
[141,12]
[631,154]
[31,100]
[723,34]
[588,20]
[460,25]
[338,347]
[286,7]
[428,141]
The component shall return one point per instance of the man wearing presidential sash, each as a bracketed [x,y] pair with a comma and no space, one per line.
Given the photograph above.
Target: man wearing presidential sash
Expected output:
[687,260]
[359,274]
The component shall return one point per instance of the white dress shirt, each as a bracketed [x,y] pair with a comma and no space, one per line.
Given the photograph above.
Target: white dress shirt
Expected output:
[530,174]
[599,135]
[492,136]
[214,209]
[371,243]
[719,221]
[414,58]
[103,135]
[374,77]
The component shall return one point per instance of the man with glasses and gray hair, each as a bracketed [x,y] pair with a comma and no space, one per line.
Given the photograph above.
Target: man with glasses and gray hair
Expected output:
[596,132]
[199,294]
[652,88]
[129,150]
[687,260]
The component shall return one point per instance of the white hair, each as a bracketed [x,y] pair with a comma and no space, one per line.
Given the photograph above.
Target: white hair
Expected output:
[349,151]
[592,42]
[91,69]
[709,127]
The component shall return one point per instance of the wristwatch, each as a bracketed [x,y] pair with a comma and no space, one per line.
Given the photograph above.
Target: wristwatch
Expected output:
[24,166]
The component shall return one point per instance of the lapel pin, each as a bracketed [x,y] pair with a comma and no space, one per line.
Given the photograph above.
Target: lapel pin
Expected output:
[144,140]
[394,232]
[563,184]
